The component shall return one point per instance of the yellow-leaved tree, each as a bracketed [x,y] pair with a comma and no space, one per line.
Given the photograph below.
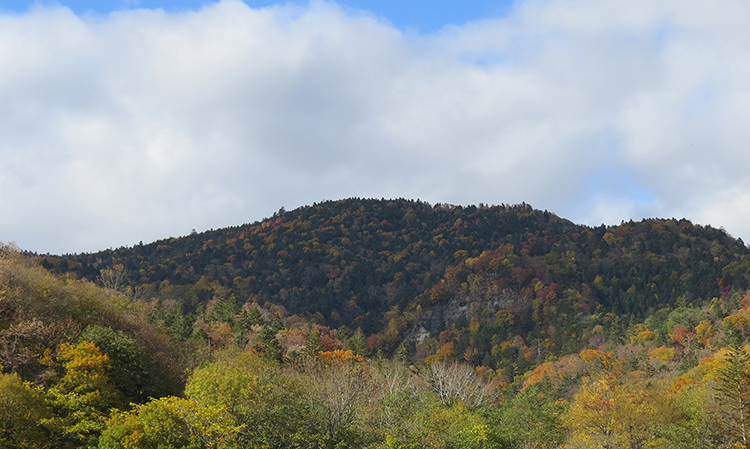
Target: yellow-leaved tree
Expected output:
[82,399]
[619,412]
[169,423]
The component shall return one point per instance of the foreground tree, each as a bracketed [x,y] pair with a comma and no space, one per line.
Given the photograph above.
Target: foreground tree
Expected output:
[268,408]
[21,408]
[169,423]
[128,373]
[531,420]
[734,391]
[458,384]
[83,397]
[619,413]
[338,385]
[701,424]
[445,428]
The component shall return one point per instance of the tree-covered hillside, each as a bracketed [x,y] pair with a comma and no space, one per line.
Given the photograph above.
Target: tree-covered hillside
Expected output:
[427,281]
[353,260]
[349,260]
[383,324]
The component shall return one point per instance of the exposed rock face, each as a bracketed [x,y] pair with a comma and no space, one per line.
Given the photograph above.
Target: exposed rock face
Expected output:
[459,310]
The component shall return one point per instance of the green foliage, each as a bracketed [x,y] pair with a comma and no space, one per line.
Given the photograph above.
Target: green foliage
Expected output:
[157,424]
[128,372]
[734,389]
[700,426]
[250,318]
[449,428]
[178,324]
[22,407]
[223,309]
[268,345]
[357,343]
[535,415]
[270,407]
[169,423]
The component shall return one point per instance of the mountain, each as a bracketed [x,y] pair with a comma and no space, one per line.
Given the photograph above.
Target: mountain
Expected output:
[320,258]
[357,262]
[505,326]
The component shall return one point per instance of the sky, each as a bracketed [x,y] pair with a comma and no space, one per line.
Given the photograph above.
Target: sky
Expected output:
[129,121]
[416,15]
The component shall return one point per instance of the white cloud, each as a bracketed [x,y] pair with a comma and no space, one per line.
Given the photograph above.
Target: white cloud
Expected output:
[144,124]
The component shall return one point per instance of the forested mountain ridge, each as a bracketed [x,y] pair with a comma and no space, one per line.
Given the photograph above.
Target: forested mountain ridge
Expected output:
[383,324]
[377,253]
[419,277]
[381,253]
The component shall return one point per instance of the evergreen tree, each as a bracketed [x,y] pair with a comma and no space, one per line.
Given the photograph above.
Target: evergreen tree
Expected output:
[734,389]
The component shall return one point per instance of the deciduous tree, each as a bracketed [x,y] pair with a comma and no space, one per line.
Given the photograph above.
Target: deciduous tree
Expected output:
[83,397]
[21,408]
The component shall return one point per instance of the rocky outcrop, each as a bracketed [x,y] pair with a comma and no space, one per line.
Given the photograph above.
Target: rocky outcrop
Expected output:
[459,310]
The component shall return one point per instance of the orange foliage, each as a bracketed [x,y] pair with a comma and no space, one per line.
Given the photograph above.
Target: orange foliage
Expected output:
[681,336]
[329,343]
[594,355]
[682,383]
[589,361]
[339,355]
[221,334]
[545,370]
[447,351]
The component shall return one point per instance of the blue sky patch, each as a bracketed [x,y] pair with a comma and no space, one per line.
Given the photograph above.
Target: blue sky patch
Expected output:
[424,16]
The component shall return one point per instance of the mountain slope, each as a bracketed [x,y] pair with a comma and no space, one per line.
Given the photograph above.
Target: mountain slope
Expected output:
[353,261]
[322,257]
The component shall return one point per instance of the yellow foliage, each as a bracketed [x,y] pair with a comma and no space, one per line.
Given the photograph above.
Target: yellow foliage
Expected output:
[707,368]
[83,359]
[474,325]
[83,397]
[452,427]
[643,337]
[613,413]
[504,317]
[734,322]
[703,329]
[661,353]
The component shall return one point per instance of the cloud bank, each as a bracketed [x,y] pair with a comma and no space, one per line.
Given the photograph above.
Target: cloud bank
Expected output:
[143,124]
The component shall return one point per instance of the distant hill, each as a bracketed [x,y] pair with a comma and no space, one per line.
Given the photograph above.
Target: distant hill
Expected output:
[320,258]
[353,260]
